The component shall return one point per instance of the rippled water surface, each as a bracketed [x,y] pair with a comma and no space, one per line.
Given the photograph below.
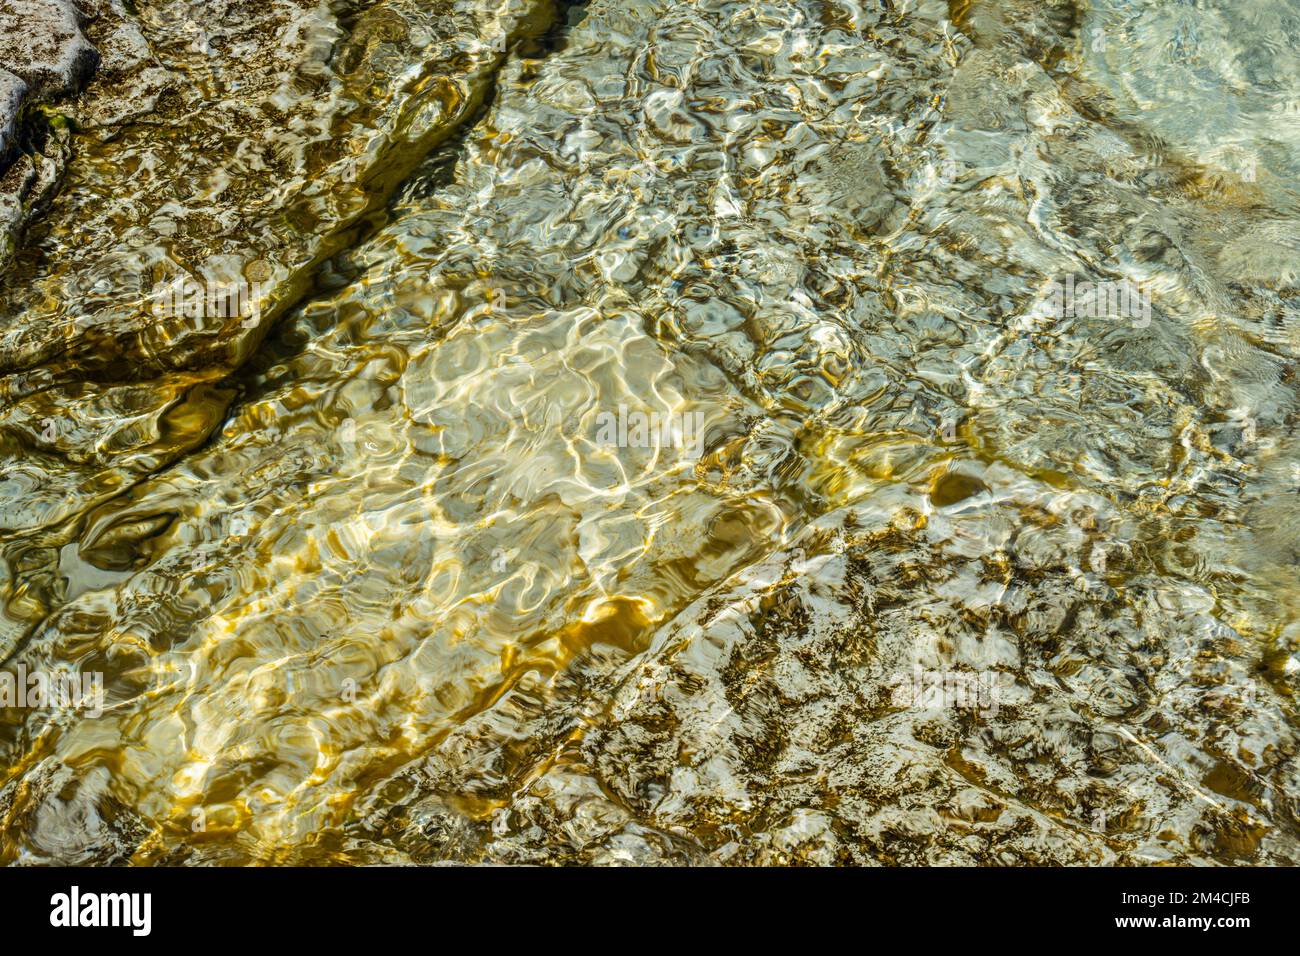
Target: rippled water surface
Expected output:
[367,579]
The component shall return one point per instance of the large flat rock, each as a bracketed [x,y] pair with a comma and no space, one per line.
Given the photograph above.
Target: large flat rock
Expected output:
[41,42]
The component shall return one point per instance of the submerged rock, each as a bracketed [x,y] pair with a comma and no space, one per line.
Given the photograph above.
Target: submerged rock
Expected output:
[197,212]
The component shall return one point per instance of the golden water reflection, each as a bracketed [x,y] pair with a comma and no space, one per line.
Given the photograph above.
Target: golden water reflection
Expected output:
[367,581]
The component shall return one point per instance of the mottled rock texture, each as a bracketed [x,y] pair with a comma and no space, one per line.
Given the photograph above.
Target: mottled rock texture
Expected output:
[41,41]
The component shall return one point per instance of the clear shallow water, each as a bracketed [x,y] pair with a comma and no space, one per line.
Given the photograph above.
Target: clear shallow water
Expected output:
[367,581]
